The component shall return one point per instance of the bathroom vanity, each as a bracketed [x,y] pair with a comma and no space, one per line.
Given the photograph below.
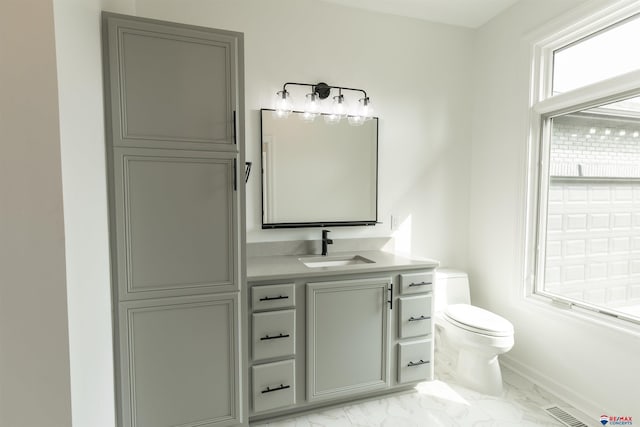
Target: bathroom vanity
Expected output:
[326,330]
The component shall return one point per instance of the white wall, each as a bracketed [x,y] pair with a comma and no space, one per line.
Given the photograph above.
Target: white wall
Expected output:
[593,365]
[34,345]
[418,75]
[79,64]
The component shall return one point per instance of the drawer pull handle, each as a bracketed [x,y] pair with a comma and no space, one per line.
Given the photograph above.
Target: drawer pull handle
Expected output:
[274,298]
[420,284]
[281,387]
[421,362]
[415,319]
[274,338]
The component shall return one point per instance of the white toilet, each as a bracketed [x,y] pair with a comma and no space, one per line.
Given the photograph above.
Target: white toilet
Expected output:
[471,337]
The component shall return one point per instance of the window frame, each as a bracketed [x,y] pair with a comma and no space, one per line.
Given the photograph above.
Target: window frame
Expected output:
[544,106]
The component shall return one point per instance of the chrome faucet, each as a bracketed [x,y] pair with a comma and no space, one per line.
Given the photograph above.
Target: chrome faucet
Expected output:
[325,242]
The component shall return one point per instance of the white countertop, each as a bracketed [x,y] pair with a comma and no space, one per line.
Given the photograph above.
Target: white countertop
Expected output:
[291,266]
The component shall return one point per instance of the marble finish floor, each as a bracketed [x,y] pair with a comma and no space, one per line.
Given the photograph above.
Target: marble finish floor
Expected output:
[441,403]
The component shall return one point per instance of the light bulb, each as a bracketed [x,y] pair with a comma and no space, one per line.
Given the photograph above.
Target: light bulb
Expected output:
[365,107]
[338,110]
[340,107]
[283,104]
[311,107]
[364,112]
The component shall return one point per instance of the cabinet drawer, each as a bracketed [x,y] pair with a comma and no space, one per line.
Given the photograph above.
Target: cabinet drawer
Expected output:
[415,361]
[415,316]
[273,385]
[415,283]
[274,334]
[268,297]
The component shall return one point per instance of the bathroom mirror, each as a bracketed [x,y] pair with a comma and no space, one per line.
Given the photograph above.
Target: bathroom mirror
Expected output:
[316,174]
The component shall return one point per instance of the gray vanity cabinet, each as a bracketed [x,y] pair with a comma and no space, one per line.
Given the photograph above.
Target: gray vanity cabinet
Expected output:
[329,335]
[175,146]
[347,337]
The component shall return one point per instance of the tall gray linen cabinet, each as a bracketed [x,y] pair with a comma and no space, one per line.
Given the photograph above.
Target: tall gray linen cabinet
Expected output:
[175,161]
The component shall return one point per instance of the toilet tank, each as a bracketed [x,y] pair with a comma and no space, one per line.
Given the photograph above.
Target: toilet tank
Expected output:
[450,287]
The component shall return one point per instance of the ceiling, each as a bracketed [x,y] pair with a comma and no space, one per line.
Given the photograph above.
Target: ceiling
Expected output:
[465,13]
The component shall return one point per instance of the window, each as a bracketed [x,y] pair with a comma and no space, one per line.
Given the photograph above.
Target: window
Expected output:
[596,57]
[584,204]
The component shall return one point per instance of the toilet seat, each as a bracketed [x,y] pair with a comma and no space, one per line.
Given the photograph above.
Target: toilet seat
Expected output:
[478,320]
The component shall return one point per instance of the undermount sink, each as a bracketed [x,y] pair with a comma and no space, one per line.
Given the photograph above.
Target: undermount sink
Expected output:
[335,261]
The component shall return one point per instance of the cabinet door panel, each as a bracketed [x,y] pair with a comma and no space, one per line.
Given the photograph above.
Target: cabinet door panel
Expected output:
[171,86]
[167,349]
[347,337]
[176,222]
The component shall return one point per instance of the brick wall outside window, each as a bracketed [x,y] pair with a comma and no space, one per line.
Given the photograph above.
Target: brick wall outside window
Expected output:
[595,147]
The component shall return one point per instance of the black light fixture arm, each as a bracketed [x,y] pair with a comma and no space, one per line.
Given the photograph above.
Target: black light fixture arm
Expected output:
[322,89]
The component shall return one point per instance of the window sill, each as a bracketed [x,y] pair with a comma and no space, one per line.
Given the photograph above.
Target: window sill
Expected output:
[582,314]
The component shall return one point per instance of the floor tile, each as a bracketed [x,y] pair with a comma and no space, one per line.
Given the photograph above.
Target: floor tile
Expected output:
[441,403]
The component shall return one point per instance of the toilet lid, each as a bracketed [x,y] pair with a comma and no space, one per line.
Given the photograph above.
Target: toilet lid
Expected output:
[478,320]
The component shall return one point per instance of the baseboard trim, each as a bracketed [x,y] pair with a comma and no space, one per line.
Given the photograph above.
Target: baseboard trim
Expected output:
[586,406]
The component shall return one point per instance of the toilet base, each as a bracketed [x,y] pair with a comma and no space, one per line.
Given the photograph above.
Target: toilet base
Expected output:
[479,372]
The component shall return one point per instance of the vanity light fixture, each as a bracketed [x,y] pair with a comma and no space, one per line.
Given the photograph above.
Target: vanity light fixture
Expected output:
[313,106]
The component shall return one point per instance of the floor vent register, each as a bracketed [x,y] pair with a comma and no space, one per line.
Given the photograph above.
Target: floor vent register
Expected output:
[564,416]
